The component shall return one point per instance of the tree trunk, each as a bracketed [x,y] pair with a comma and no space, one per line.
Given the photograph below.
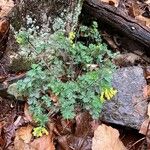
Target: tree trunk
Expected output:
[46,16]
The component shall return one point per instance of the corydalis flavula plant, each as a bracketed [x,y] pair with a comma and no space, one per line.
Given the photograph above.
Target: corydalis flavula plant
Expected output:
[76,69]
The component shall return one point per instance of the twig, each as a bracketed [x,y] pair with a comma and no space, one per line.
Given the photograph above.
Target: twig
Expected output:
[137,142]
[3,69]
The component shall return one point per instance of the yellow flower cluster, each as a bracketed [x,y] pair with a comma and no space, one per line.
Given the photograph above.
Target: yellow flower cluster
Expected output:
[39,131]
[107,94]
[71,37]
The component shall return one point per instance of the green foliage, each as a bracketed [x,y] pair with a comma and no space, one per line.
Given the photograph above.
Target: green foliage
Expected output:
[68,73]
[22,38]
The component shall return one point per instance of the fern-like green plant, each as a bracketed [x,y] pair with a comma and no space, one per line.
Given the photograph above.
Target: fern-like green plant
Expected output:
[65,69]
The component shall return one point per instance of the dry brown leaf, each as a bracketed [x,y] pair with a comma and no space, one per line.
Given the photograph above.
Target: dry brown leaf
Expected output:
[111,2]
[5,7]
[144,127]
[110,41]
[23,140]
[106,138]
[54,98]
[146,91]
[20,145]
[143,20]
[135,10]
[24,133]
[148,110]
[147,72]
[43,143]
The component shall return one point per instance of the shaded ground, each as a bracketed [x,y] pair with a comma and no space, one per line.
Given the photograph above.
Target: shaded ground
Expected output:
[78,134]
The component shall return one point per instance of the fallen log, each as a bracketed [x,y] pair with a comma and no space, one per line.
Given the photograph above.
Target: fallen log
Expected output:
[118,19]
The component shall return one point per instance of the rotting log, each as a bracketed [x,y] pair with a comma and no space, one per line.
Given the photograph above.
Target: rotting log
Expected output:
[118,19]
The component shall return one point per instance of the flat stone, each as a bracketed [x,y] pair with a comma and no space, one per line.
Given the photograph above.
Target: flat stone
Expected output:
[128,107]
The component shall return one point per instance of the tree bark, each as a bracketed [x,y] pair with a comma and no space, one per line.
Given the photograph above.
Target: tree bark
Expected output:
[118,19]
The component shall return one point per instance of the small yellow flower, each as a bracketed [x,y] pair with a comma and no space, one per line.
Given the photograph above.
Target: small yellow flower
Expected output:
[39,131]
[102,97]
[108,94]
[71,37]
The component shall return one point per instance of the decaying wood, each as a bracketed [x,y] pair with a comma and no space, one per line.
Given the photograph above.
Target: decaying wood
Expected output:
[5,9]
[118,19]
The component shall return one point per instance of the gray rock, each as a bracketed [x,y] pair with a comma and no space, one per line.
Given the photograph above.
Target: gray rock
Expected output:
[128,107]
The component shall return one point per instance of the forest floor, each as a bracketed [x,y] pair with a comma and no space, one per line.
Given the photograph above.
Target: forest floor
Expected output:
[82,132]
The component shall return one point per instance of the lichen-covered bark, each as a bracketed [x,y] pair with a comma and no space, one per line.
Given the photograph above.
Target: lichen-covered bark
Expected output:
[48,15]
